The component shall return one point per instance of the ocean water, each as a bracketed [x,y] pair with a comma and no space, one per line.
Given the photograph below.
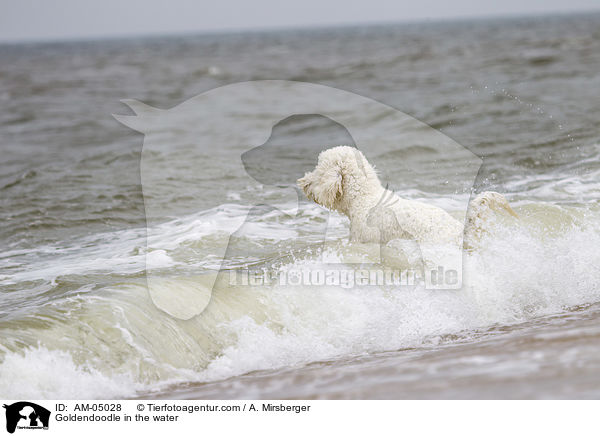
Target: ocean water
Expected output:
[93,213]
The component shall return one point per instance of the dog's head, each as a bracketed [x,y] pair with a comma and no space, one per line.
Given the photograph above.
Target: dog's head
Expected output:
[341,173]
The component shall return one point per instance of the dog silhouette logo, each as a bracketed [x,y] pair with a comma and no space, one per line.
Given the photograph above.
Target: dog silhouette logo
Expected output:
[26,415]
[278,128]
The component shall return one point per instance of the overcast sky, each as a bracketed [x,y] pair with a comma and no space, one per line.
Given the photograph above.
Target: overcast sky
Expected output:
[62,19]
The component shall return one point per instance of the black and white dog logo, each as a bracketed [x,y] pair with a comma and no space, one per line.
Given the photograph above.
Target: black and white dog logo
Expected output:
[26,415]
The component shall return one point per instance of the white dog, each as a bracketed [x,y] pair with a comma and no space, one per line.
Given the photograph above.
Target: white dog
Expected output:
[344,181]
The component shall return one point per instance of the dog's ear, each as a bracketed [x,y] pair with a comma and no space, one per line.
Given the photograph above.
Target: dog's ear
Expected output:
[330,188]
[323,187]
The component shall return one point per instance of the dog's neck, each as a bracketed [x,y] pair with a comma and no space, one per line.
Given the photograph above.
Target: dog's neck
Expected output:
[358,200]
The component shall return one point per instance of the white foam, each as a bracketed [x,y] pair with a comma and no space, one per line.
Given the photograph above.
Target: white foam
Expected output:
[43,373]
[521,272]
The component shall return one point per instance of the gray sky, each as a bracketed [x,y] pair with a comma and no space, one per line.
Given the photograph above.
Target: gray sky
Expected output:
[61,19]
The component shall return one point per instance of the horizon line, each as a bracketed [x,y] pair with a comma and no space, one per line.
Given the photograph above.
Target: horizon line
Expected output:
[298,27]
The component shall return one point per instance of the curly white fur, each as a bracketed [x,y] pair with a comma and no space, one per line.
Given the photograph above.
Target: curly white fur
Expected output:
[345,181]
